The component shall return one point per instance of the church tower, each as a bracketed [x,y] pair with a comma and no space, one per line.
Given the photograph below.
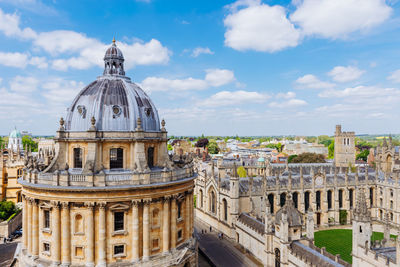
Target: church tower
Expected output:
[345,153]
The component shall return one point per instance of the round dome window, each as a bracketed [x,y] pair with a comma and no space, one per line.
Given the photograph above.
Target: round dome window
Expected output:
[81,111]
[116,111]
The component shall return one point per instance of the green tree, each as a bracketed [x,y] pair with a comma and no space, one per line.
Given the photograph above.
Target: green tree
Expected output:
[7,208]
[309,158]
[331,150]
[291,157]
[213,147]
[28,141]
[241,172]
[169,147]
[363,155]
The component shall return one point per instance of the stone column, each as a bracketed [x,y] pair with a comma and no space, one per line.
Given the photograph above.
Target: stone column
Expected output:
[173,222]
[25,222]
[187,215]
[55,234]
[29,232]
[135,230]
[101,248]
[165,236]
[146,229]
[35,229]
[90,234]
[65,235]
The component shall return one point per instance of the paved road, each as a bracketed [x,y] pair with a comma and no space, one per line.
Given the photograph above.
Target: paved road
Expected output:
[7,253]
[221,252]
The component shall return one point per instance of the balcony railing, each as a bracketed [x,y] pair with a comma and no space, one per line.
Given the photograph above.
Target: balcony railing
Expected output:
[109,178]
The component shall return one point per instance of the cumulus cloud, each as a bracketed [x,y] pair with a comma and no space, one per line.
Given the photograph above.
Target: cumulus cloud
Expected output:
[213,78]
[339,18]
[227,98]
[20,84]
[201,50]
[58,90]
[395,76]
[286,95]
[345,74]
[361,91]
[310,81]
[21,60]
[259,27]
[288,103]
[9,25]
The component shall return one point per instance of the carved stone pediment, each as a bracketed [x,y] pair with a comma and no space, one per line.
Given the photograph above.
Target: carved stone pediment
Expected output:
[119,206]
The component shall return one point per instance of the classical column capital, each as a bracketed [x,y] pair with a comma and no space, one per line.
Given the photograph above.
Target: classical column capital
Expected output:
[89,205]
[175,196]
[166,198]
[55,204]
[64,205]
[34,202]
[102,204]
[135,202]
[146,201]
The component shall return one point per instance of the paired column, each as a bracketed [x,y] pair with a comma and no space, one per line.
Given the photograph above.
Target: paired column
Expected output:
[187,215]
[65,235]
[35,229]
[55,235]
[135,230]
[146,229]
[90,234]
[25,222]
[101,244]
[165,228]
[173,222]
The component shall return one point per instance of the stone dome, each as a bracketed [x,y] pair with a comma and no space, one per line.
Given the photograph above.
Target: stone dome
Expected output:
[113,100]
[294,216]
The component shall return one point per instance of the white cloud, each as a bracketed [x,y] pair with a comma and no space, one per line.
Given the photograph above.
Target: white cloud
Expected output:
[345,74]
[310,81]
[287,95]
[213,78]
[227,98]
[201,50]
[9,25]
[339,18]
[17,60]
[39,62]
[358,92]
[288,104]
[395,76]
[219,77]
[20,84]
[259,27]
[59,90]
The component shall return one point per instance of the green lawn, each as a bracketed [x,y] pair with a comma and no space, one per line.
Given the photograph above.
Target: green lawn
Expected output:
[339,241]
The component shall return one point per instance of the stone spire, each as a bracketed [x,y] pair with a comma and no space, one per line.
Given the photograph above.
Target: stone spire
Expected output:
[384,143]
[361,212]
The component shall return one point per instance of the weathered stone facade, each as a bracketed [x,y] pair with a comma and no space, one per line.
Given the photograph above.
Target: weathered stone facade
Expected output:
[109,197]
[345,153]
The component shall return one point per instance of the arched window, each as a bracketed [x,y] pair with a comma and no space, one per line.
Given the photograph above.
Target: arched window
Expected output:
[295,197]
[282,199]
[179,204]
[116,158]
[78,224]
[318,199]
[371,196]
[351,198]
[340,198]
[150,157]
[225,205]
[77,157]
[213,202]
[156,218]
[19,173]
[329,199]
[277,258]
[271,202]
[306,200]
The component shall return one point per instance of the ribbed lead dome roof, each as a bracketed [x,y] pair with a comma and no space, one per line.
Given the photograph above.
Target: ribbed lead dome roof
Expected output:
[113,100]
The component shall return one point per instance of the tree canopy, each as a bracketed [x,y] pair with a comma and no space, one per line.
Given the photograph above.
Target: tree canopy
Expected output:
[213,147]
[241,171]
[203,142]
[28,141]
[7,208]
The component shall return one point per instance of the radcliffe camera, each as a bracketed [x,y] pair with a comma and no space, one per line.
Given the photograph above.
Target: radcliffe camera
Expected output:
[235,133]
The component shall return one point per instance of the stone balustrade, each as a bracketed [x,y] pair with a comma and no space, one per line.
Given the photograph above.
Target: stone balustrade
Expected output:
[74,177]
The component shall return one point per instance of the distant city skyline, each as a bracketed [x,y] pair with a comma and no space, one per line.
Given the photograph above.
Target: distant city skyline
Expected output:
[247,68]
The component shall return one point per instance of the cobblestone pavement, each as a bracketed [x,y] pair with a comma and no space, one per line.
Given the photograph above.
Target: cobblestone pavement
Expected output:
[221,252]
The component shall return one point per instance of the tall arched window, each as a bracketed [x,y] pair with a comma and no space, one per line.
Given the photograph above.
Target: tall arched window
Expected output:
[329,199]
[371,196]
[201,198]
[282,199]
[77,157]
[116,158]
[318,199]
[277,258]
[351,197]
[295,198]
[306,200]
[150,157]
[225,205]
[213,202]
[340,198]
[271,202]
[78,224]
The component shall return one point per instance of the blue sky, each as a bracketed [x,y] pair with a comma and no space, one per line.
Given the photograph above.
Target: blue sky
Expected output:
[248,67]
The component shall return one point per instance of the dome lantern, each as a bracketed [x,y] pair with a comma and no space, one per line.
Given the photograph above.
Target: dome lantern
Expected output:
[114,61]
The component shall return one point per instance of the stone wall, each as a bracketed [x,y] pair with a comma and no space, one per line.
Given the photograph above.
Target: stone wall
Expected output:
[8,227]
